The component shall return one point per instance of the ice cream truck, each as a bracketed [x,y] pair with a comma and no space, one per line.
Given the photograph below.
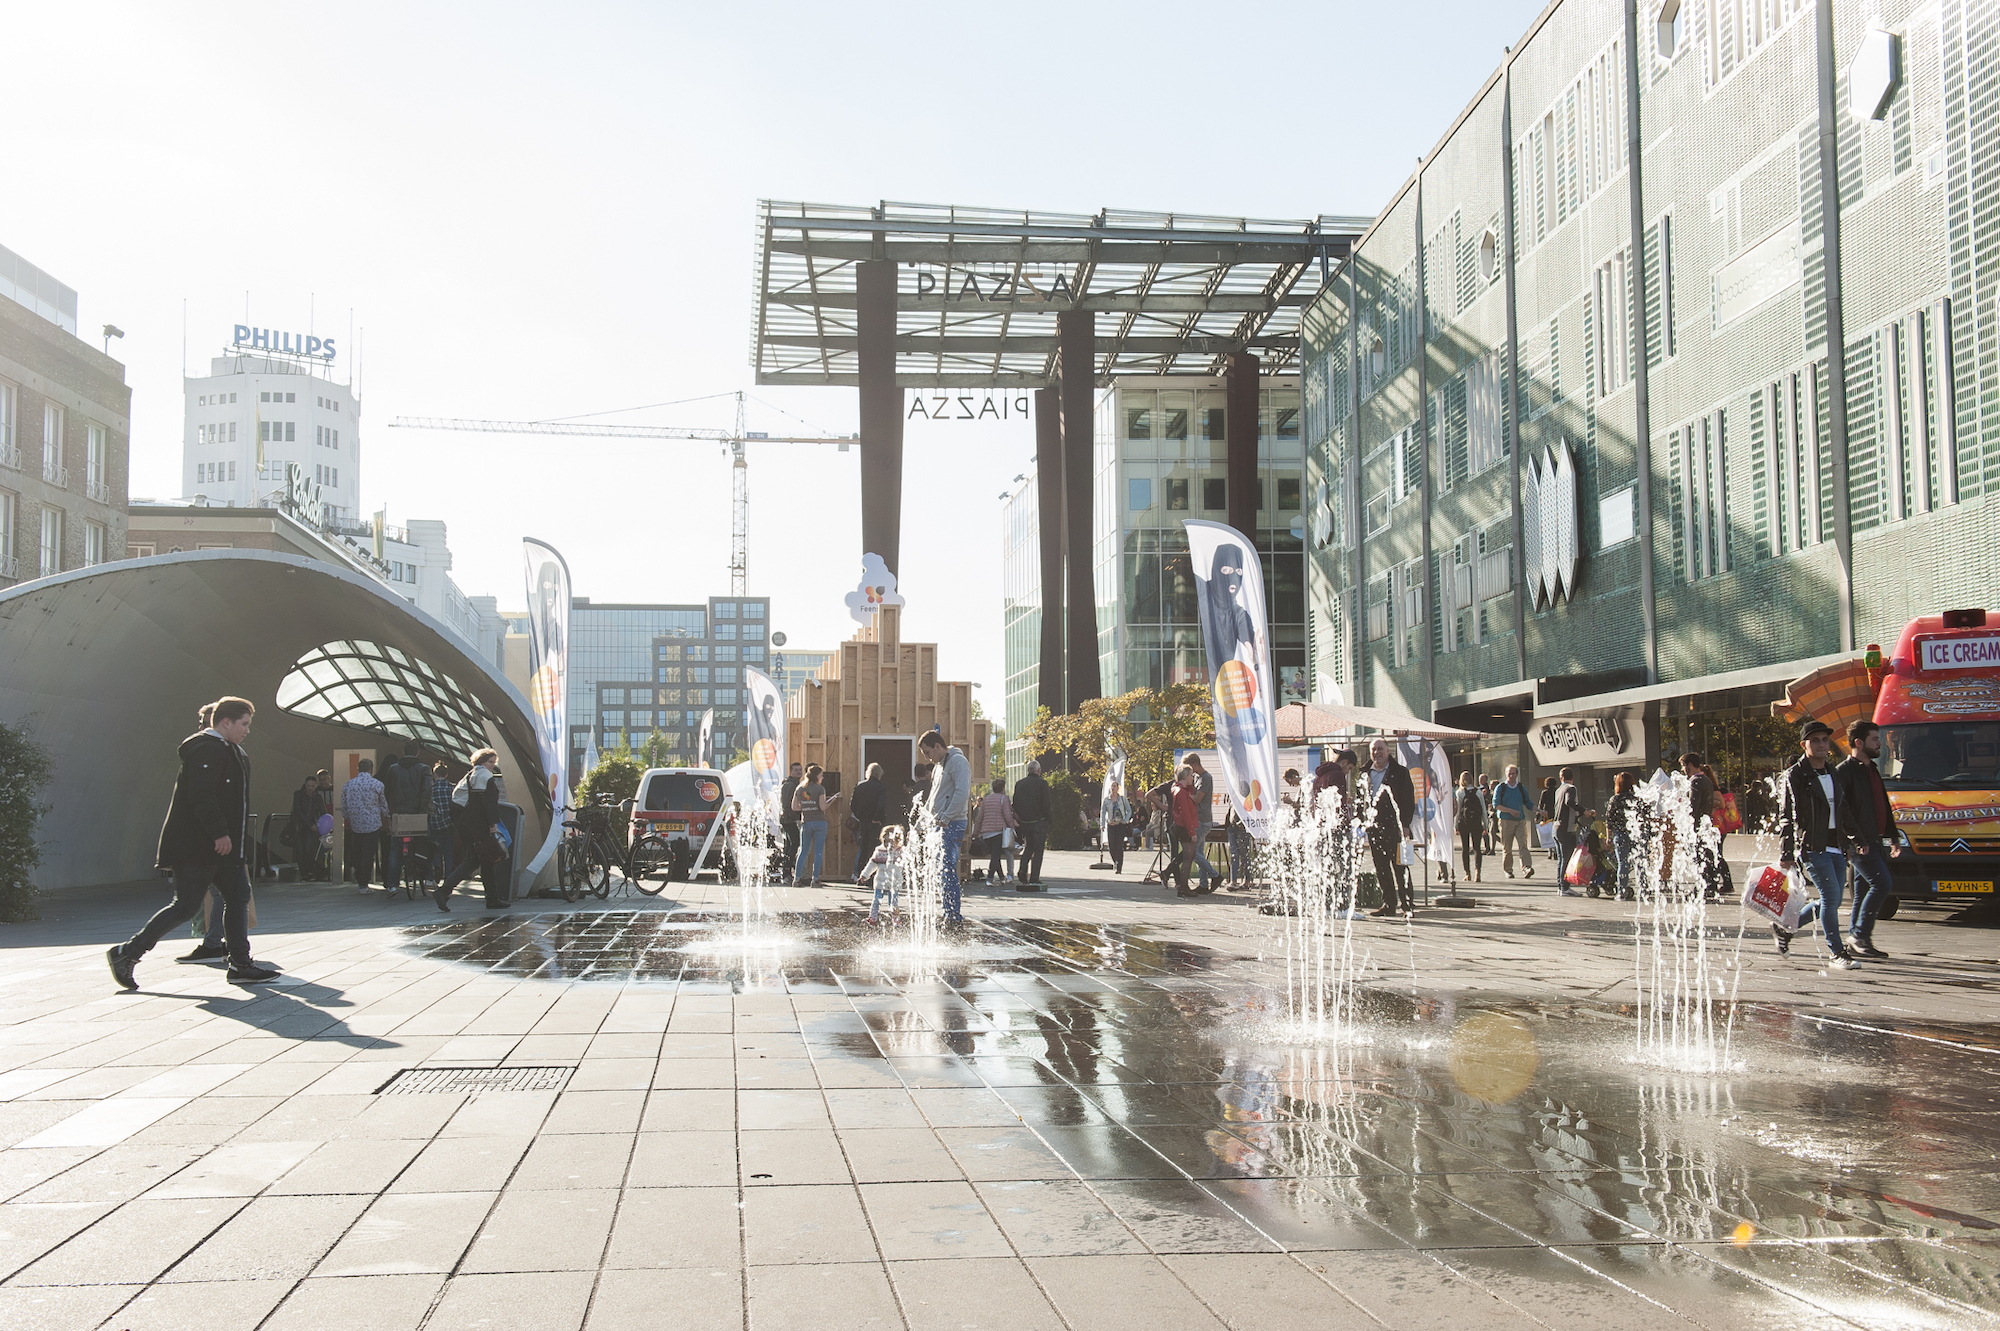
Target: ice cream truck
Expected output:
[1939,709]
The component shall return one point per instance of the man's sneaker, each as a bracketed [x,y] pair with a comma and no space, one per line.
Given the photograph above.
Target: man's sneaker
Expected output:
[1867,951]
[1842,962]
[206,953]
[1569,891]
[254,973]
[1784,941]
[121,969]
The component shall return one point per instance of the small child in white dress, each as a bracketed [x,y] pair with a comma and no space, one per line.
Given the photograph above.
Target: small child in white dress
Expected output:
[885,866]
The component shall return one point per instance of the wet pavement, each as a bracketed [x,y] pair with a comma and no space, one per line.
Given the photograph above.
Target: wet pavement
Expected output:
[1087,1111]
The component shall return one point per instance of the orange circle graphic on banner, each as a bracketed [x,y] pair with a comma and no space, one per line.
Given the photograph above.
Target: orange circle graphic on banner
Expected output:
[1235,686]
[763,755]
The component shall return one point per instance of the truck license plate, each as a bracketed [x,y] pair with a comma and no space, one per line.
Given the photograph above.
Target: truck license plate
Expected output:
[1964,885]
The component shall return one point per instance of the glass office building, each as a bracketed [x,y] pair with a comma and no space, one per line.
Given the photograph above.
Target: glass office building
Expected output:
[1160,461]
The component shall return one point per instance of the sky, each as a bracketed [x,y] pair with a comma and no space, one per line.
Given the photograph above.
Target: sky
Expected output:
[531,212]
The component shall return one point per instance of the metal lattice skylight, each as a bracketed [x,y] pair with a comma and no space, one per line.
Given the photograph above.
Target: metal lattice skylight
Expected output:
[373,687]
[978,290]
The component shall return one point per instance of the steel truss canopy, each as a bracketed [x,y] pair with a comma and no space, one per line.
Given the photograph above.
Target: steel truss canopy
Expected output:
[978,290]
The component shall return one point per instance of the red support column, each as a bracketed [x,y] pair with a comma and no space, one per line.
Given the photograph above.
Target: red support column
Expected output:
[881,411]
[1076,340]
[1240,434]
[1049,516]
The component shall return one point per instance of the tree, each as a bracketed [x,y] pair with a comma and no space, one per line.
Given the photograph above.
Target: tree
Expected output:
[617,774]
[657,752]
[24,771]
[1149,724]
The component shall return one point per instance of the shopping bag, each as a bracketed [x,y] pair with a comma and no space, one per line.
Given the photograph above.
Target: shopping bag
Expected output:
[1582,869]
[1777,896]
[1728,818]
[1408,855]
[1546,833]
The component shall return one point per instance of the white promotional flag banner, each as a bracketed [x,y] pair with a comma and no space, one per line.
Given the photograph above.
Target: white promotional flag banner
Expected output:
[1430,776]
[705,749]
[766,718]
[548,677]
[1114,776]
[1229,585]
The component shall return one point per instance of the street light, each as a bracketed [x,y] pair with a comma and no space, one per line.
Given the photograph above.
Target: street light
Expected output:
[111,331]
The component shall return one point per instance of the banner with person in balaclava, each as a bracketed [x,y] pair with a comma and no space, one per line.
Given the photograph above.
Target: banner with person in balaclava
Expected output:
[766,720]
[1229,586]
[705,741]
[548,677]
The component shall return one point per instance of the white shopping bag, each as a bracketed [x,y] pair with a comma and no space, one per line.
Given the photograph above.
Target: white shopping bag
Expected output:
[1778,895]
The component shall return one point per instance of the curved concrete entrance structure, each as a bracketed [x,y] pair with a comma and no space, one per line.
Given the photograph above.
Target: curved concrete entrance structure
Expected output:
[108,664]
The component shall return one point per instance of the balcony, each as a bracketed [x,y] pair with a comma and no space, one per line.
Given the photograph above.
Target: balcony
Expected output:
[10,457]
[10,566]
[98,490]
[55,474]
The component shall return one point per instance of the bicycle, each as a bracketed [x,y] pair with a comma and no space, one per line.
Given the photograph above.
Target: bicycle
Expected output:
[588,854]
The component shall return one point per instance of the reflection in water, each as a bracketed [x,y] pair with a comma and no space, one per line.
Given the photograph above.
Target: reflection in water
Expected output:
[1859,1159]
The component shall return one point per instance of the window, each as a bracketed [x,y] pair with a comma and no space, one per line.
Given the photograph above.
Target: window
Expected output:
[1138,422]
[642,720]
[7,399]
[52,536]
[291,432]
[613,697]
[291,397]
[725,631]
[725,695]
[725,674]
[96,458]
[753,610]
[52,442]
[336,441]
[264,397]
[1139,493]
[1288,494]
[1617,518]
[725,610]
[753,654]
[137,551]
[1611,324]
[1177,490]
[725,653]
[1701,485]
[697,652]
[667,653]
[693,719]
[1215,424]
[10,507]
[93,544]
[1214,492]
[667,675]
[697,674]
[615,719]
[1670,28]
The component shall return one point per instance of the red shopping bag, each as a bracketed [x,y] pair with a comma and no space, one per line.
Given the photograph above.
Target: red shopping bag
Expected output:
[1582,868]
[1776,895]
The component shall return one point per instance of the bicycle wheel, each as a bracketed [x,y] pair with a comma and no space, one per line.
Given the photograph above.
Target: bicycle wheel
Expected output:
[571,868]
[600,871]
[651,865]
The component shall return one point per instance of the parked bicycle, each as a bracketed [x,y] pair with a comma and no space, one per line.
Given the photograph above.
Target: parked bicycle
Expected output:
[589,852]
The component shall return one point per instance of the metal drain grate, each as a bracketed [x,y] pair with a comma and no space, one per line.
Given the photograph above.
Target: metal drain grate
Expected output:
[459,1081]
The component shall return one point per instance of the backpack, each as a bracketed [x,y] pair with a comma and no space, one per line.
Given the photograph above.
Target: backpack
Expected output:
[461,794]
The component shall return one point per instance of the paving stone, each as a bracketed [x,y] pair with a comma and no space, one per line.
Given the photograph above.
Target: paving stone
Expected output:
[405,1233]
[527,1301]
[700,1300]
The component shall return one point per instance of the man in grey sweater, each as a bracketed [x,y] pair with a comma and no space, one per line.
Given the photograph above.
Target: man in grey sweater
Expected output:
[950,792]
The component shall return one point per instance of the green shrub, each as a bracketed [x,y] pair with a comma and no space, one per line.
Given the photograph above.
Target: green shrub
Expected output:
[1066,829]
[24,771]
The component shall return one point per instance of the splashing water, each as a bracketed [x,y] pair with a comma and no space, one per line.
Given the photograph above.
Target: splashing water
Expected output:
[1311,865]
[754,856]
[1677,976]
[923,877]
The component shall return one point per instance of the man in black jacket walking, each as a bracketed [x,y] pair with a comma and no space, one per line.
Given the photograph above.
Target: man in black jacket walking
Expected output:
[1031,809]
[202,843]
[1816,823]
[1392,798]
[1875,826]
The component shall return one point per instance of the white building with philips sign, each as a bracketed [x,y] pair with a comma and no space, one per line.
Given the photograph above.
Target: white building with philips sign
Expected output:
[269,404]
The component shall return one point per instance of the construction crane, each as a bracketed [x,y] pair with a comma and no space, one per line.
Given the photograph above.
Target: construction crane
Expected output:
[733,442]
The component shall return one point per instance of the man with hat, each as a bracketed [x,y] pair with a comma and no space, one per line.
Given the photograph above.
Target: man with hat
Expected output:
[1817,823]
